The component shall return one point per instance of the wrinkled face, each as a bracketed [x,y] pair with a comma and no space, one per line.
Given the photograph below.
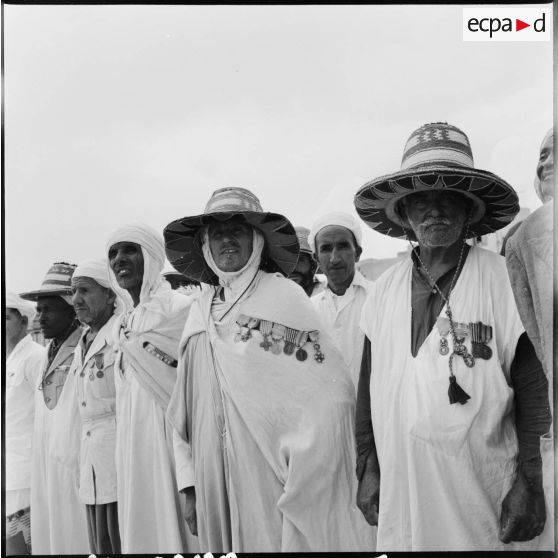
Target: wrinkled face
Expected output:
[126,261]
[230,243]
[337,253]
[16,324]
[55,316]
[93,304]
[303,273]
[437,218]
[545,169]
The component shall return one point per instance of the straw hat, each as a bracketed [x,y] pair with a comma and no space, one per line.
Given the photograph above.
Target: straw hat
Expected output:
[183,239]
[302,236]
[437,156]
[57,282]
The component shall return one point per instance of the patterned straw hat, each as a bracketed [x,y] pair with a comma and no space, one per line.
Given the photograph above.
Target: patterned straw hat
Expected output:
[183,241]
[302,235]
[437,156]
[57,282]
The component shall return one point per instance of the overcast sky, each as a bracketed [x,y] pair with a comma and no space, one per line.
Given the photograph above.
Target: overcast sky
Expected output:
[116,114]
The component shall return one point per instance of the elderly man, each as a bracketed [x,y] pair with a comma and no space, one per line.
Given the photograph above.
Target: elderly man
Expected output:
[149,512]
[93,367]
[58,524]
[23,367]
[453,464]
[304,272]
[336,241]
[262,398]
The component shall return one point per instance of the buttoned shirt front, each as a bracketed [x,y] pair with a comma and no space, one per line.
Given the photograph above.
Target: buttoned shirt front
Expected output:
[23,368]
[96,398]
[341,317]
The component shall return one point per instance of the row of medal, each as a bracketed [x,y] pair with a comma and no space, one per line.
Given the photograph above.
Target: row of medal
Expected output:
[99,364]
[278,338]
[480,334]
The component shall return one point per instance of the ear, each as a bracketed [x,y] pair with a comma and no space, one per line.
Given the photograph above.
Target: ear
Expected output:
[358,252]
[111,296]
[24,322]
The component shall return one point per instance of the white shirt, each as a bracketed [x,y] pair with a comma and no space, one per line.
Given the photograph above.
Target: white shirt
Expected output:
[341,317]
[96,397]
[23,368]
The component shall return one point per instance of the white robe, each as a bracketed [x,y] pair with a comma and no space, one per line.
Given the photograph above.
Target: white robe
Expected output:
[445,469]
[149,507]
[58,522]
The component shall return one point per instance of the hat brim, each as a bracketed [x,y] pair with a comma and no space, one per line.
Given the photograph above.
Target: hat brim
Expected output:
[35,295]
[184,251]
[495,202]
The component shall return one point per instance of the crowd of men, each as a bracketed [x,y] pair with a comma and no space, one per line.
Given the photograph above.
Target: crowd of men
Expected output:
[265,411]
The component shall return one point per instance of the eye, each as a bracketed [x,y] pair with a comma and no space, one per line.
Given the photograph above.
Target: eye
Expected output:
[112,254]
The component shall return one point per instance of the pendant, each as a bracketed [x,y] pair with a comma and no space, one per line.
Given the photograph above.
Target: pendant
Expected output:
[301,355]
[289,348]
[100,374]
[318,355]
[444,348]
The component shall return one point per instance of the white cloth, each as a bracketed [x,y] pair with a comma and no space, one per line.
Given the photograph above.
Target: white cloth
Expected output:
[96,396]
[337,218]
[94,269]
[23,368]
[272,443]
[24,307]
[58,521]
[341,317]
[149,508]
[445,469]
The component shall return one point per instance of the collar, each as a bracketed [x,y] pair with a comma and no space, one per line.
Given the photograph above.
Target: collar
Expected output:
[358,281]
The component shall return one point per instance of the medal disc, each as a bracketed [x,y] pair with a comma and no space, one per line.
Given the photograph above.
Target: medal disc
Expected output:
[100,374]
[276,348]
[480,350]
[444,349]
[289,348]
[91,377]
[301,355]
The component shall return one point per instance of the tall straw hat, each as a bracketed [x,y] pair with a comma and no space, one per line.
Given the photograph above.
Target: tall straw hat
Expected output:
[437,156]
[183,242]
[57,282]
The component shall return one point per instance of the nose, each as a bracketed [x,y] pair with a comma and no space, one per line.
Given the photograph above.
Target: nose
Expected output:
[75,298]
[334,258]
[119,257]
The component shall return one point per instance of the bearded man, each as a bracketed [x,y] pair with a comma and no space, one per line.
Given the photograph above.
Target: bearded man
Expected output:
[149,507]
[304,273]
[452,406]
[263,398]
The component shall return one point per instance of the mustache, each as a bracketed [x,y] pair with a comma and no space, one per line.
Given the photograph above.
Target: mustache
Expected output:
[438,221]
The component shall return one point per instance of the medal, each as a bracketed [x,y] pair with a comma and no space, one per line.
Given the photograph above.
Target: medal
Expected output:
[290,336]
[91,376]
[265,330]
[277,334]
[314,337]
[100,374]
[444,348]
[480,350]
[481,335]
[301,355]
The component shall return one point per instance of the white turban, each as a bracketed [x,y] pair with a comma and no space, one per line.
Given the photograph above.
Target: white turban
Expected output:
[336,218]
[94,269]
[24,307]
[153,251]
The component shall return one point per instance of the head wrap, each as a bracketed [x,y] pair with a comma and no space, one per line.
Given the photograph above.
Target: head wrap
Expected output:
[234,282]
[336,218]
[24,307]
[153,251]
[94,269]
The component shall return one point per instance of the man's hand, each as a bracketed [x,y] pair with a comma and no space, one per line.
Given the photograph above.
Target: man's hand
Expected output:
[368,494]
[523,511]
[190,510]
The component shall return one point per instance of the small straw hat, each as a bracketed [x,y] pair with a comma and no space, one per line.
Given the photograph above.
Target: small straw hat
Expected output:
[57,282]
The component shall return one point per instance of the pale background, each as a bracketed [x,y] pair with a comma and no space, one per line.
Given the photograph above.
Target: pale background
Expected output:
[116,114]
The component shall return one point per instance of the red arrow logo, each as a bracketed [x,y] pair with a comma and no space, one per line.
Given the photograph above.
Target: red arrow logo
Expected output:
[519,25]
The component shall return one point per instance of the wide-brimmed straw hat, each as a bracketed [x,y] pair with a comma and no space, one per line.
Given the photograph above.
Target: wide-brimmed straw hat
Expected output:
[57,282]
[437,156]
[183,242]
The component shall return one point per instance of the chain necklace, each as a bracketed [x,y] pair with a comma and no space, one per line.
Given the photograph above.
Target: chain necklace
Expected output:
[455,392]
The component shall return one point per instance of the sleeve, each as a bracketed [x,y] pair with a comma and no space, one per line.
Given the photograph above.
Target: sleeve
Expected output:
[184,462]
[532,409]
[363,422]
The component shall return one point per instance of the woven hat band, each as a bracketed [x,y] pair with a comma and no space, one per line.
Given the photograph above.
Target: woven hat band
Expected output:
[437,143]
[229,200]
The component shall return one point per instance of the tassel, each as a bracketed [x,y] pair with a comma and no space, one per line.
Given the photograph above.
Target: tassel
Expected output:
[456,393]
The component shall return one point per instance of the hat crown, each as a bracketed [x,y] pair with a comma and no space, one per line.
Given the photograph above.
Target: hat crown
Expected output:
[302,236]
[437,143]
[59,276]
[231,200]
